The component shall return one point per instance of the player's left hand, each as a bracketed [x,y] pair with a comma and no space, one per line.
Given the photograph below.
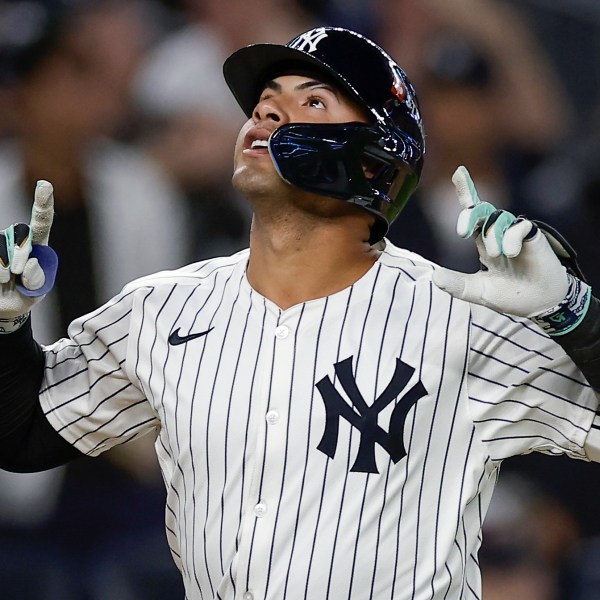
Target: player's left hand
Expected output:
[522,273]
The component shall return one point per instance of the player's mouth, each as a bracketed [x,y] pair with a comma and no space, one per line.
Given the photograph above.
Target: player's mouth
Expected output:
[260,144]
[256,142]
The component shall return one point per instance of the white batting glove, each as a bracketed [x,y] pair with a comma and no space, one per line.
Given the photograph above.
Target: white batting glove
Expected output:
[27,264]
[521,272]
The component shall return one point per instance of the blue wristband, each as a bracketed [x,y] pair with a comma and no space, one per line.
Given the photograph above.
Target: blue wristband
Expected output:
[48,261]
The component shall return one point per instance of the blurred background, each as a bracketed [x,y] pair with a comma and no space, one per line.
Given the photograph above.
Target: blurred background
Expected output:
[122,106]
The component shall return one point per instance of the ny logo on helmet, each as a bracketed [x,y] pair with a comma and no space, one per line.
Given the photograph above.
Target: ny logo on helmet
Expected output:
[364,417]
[308,41]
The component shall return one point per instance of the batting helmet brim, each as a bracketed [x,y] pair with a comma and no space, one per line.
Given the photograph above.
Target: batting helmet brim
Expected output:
[248,69]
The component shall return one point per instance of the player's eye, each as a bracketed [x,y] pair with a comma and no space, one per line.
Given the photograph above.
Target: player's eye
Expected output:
[315,102]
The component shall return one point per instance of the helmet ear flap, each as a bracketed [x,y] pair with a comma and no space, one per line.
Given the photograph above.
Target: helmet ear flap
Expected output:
[348,161]
[322,158]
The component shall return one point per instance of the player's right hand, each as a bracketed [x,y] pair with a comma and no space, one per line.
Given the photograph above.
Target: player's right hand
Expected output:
[27,264]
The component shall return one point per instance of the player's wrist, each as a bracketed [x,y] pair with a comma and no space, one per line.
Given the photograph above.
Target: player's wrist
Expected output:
[569,313]
[12,324]
[582,344]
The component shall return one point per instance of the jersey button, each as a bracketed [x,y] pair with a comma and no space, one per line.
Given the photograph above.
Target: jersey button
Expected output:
[248,596]
[282,332]
[260,510]
[272,417]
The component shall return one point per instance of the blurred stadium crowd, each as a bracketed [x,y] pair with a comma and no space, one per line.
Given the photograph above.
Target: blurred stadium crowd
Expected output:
[122,106]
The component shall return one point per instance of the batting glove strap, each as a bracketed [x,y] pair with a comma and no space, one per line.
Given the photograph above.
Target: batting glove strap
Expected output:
[11,325]
[562,248]
[569,313]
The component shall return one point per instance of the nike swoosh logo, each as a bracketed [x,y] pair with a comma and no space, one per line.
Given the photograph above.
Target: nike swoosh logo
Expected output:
[175,339]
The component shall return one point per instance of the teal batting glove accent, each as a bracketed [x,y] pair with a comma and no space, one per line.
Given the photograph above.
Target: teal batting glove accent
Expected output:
[478,214]
[9,234]
[503,222]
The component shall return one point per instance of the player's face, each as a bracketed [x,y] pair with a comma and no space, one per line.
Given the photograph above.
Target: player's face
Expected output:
[285,99]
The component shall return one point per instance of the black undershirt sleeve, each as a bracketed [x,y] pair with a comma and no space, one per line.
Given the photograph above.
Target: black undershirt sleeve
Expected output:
[583,344]
[27,440]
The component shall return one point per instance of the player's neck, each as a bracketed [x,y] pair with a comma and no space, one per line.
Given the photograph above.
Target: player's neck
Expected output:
[291,263]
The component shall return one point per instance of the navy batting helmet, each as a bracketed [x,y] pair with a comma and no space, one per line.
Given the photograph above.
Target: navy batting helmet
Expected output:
[329,159]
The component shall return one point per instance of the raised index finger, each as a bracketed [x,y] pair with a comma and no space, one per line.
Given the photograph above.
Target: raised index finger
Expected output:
[42,213]
[465,188]
[474,212]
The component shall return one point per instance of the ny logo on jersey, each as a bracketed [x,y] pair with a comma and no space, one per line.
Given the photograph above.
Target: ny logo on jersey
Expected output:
[364,417]
[308,41]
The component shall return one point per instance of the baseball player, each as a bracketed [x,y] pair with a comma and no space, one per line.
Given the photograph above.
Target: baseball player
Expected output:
[329,420]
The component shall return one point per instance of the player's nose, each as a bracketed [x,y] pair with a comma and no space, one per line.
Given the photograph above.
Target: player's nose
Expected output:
[270,110]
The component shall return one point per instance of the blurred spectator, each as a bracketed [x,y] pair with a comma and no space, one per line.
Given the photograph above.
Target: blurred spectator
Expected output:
[358,15]
[191,118]
[530,101]
[489,99]
[584,583]
[527,541]
[565,192]
[71,83]
[67,69]
[570,33]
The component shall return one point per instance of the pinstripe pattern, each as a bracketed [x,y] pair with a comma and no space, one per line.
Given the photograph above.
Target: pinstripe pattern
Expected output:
[253,505]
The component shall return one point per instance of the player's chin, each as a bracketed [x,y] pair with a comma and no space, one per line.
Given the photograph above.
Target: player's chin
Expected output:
[250,179]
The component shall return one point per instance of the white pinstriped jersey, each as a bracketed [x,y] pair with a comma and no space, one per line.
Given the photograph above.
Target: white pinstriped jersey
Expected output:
[344,448]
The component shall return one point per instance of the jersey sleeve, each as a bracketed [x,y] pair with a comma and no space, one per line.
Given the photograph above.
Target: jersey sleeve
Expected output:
[525,393]
[89,394]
